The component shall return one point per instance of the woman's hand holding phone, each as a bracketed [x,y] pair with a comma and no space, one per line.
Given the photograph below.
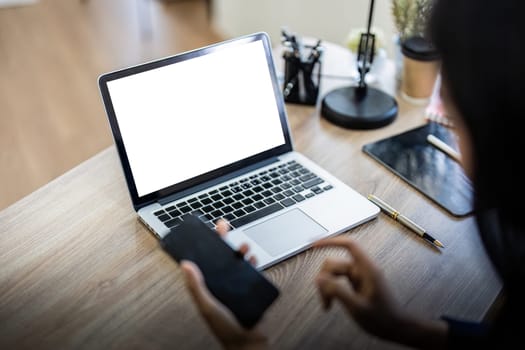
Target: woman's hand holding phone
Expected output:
[220,320]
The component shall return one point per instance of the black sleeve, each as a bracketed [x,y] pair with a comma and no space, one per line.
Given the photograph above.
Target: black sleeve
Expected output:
[465,334]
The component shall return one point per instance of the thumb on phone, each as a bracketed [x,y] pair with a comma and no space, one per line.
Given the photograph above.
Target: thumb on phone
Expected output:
[196,285]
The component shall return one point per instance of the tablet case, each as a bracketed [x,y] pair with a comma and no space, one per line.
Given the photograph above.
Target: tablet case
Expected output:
[429,170]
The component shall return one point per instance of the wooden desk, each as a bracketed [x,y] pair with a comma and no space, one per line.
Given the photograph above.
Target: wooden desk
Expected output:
[78,270]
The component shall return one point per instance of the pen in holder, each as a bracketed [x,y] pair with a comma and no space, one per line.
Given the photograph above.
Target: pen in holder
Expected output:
[302,72]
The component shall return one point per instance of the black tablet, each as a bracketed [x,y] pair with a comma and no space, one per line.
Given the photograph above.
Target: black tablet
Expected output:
[425,167]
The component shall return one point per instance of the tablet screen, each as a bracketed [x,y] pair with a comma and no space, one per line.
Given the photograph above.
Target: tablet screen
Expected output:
[431,171]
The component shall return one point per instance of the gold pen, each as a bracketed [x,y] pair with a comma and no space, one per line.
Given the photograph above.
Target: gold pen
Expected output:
[394,214]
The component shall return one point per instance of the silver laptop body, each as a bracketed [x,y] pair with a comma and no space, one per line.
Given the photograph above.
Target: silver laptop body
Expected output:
[206,132]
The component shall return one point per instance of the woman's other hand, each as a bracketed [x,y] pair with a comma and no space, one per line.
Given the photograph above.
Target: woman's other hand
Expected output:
[356,281]
[359,285]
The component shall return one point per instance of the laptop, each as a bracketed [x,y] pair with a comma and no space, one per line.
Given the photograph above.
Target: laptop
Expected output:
[206,132]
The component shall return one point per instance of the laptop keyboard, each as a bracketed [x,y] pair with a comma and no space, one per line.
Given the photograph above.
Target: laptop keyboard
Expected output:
[250,198]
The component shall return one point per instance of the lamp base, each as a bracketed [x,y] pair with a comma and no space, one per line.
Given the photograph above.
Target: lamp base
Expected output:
[355,108]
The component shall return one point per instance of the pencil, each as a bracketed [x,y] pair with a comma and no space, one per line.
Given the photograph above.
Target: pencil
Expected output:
[442,146]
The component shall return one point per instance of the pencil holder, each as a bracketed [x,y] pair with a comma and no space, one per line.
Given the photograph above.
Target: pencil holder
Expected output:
[302,76]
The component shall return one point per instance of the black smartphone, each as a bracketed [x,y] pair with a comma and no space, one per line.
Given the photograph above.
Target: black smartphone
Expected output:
[228,276]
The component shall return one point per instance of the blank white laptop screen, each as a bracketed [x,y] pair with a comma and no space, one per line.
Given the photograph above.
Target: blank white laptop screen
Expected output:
[185,119]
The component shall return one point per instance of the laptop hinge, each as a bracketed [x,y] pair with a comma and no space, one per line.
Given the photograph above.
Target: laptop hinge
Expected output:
[216,181]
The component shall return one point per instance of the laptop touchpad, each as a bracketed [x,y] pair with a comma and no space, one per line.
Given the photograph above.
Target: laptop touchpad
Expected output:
[293,229]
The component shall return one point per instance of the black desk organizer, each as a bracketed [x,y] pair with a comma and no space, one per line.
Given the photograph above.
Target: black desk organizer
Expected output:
[302,71]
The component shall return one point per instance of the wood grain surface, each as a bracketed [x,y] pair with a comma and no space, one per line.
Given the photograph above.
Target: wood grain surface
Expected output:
[51,54]
[79,271]
[77,268]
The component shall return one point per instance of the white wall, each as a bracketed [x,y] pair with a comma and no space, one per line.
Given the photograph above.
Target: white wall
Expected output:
[329,20]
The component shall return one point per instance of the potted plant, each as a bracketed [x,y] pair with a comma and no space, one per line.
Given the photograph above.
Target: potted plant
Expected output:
[417,60]
[411,17]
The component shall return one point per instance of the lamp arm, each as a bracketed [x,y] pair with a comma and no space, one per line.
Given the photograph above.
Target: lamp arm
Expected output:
[365,54]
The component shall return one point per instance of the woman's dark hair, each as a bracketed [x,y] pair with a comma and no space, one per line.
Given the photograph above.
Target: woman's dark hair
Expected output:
[483,69]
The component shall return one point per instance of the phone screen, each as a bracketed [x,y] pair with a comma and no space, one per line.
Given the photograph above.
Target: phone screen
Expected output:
[228,276]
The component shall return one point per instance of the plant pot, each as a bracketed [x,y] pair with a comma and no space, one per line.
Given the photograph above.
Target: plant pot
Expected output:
[420,69]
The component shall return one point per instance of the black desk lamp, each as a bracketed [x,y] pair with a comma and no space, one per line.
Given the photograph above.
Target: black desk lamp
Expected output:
[361,106]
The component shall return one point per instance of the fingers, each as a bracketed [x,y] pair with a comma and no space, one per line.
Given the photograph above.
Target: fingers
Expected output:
[330,269]
[222,227]
[220,320]
[333,287]
[326,297]
[243,249]
[214,312]
[353,248]
[196,285]
[336,266]
[359,272]
[252,260]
